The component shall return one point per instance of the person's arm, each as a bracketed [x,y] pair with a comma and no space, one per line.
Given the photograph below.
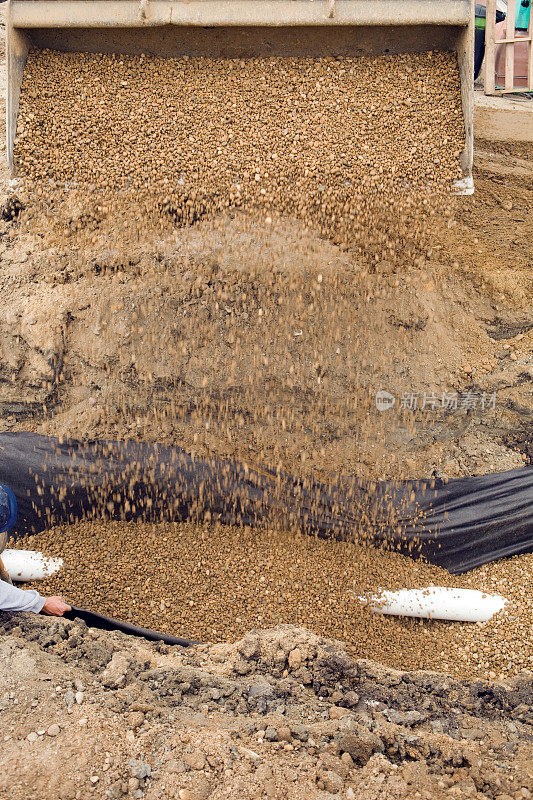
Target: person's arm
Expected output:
[14,599]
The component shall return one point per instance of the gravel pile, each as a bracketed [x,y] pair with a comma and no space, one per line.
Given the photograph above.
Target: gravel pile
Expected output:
[214,583]
[328,141]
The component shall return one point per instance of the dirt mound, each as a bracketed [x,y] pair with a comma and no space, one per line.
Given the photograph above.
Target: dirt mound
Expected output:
[265,343]
[278,714]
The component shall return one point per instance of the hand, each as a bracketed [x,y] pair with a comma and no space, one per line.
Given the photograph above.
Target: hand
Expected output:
[55,607]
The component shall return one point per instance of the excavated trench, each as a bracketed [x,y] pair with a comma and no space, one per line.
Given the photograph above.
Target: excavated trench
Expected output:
[263,333]
[324,269]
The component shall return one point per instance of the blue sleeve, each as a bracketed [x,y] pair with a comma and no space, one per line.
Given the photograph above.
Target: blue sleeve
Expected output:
[8,508]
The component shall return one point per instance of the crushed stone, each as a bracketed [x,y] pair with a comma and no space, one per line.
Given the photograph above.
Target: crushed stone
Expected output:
[215,582]
[330,141]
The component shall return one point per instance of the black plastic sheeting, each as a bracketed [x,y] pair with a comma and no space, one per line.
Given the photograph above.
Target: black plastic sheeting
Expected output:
[457,524]
[94,620]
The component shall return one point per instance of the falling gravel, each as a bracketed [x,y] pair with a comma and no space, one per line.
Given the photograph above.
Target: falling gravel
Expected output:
[359,151]
[331,142]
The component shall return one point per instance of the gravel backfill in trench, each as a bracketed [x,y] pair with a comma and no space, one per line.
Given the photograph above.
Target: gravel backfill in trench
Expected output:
[214,583]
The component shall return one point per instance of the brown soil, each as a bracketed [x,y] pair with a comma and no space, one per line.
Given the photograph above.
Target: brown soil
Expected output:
[315,335]
[279,714]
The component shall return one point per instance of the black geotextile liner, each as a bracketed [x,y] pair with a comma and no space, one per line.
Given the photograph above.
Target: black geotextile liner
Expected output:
[104,623]
[458,524]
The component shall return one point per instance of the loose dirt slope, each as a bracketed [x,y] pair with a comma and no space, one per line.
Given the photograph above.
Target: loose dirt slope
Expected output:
[270,346]
[278,714]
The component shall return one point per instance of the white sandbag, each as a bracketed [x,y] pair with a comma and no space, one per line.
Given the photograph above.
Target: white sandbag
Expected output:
[438,602]
[28,565]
